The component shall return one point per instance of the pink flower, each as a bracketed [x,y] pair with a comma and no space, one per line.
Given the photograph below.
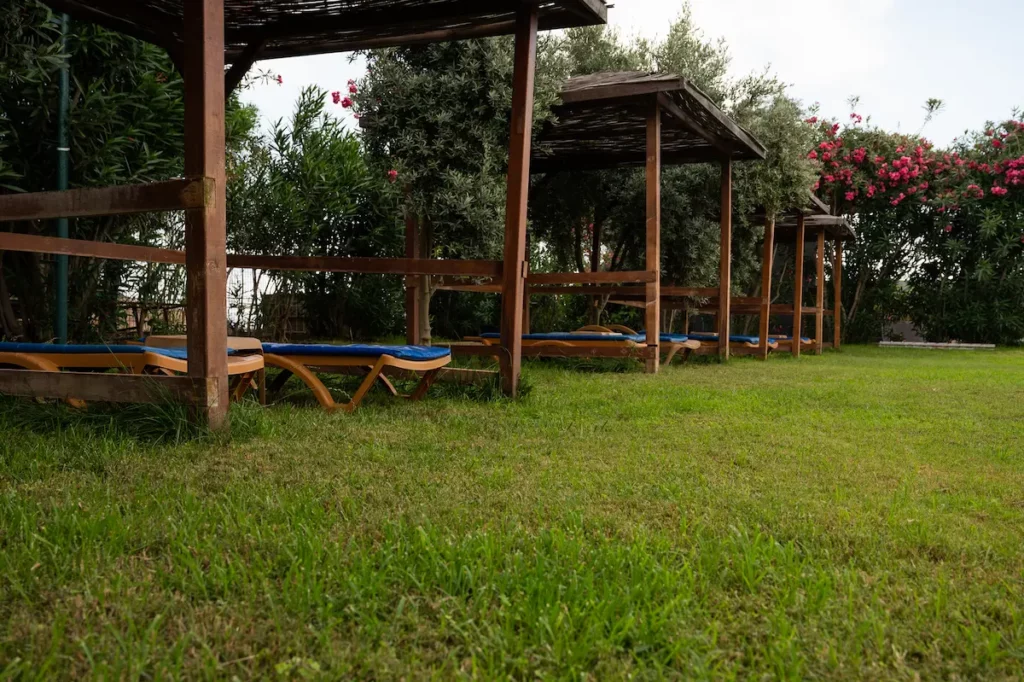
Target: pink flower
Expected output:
[347,103]
[812,155]
[999,191]
[352,88]
[830,179]
[336,96]
[871,191]
[997,143]
[280,80]
[812,120]
[392,175]
[850,196]
[949,228]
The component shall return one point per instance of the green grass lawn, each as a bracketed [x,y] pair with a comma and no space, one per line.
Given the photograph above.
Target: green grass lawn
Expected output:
[853,516]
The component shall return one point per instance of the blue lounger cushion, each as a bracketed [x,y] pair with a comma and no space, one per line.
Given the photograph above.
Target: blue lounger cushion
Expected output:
[563,336]
[90,349]
[411,353]
[641,337]
[732,339]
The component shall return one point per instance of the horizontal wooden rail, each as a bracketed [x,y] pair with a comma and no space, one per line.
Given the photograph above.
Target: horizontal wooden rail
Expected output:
[590,277]
[379,266]
[169,195]
[471,288]
[12,241]
[88,386]
[584,290]
[690,292]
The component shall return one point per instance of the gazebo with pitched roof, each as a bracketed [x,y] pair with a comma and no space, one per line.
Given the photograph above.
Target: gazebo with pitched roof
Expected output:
[202,37]
[628,119]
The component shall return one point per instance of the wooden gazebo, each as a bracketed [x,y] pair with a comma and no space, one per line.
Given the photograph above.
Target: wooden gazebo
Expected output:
[796,226]
[628,119]
[202,37]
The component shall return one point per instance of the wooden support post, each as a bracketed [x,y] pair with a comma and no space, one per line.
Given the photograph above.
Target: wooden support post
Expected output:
[837,289]
[652,316]
[766,287]
[205,228]
[518,186]
[819,302]
[725,265]
[412,282]
[798,286]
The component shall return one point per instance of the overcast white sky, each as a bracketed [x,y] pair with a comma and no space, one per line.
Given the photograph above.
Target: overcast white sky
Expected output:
[893,54]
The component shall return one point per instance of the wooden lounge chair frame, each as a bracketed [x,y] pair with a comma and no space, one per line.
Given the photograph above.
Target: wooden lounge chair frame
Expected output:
[669,349]
[242,370]
[563,348]
[306,367]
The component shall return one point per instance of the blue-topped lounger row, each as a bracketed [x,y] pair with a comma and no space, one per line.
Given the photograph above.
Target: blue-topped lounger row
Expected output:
[91,349]
[410,353]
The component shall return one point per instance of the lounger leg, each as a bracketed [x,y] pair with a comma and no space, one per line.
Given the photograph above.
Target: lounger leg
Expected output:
[387,384]
[364,387]
[425,383]
[242,385]
[279,381]
[261,380]
[673,350]
[289,367]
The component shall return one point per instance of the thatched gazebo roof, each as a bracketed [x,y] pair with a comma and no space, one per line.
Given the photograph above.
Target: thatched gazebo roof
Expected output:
[602,123]
[291,28]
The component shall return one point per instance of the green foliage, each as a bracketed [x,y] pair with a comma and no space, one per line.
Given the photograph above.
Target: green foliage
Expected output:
[440,115]
[940,232]
[307,190]
[126,126]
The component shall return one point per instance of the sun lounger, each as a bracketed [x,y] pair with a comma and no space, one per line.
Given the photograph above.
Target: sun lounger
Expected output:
[670,345]
[785,343]
[305,361]
[738,344]
[130,359]
[569,344]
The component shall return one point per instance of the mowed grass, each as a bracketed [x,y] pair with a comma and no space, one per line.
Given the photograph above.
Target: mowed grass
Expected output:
[853,516]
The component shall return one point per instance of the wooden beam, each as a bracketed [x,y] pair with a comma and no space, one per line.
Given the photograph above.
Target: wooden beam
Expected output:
[693,125]
[765,311]
[837,304]
[170,195]
[652,311]
[91,386]
[470,288]
[241,65]
[517,194]
[819,301]
[798,287]
[725,262]
[690,292]
[412,283]
[206,227]
[30,243]
[379,266]
[604,277]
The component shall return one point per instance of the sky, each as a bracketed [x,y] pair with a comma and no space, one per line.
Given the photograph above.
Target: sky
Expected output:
[892,54]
